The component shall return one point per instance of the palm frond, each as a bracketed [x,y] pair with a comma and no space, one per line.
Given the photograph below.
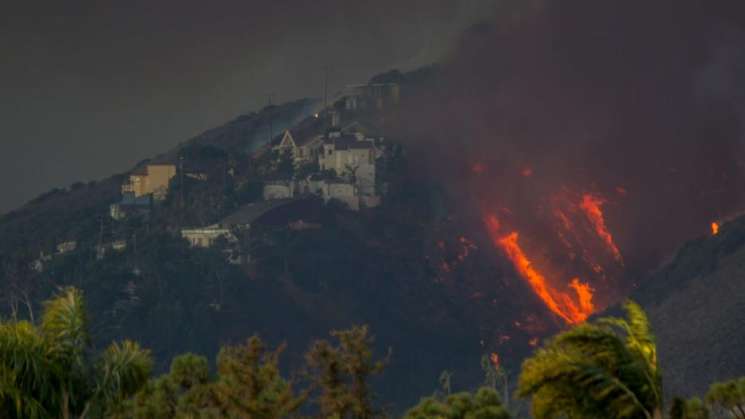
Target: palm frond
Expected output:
[65,324]
[122,370]
[25,365]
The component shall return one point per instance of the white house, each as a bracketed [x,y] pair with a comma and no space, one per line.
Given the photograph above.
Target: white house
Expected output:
[278,189]
[304,150]
[207,236]
[351,157]
[67,247]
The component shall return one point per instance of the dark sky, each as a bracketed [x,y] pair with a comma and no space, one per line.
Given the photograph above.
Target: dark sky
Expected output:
[88,88]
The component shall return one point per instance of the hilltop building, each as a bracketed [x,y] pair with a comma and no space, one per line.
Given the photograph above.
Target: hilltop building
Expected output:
[303,151]
[151,179]
[346,163]
[351,157]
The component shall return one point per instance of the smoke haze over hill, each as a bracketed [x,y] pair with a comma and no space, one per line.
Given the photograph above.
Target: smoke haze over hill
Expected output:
[123,82]
[636,106]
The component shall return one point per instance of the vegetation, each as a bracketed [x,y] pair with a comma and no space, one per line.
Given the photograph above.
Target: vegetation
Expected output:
[604,369]
[688,409]
[248,384]
[728,396]
[597,370]
[47,371]
[484,404]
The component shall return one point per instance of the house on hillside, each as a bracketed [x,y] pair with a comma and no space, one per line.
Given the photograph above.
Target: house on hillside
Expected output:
[278,189]
[234,225]
[305,150]
[351,157]
[130,205]
[67,247]
[151,179]
[207,236]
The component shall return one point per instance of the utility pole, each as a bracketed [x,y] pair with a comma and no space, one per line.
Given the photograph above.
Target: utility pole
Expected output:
[181,179]
[271,120]
[99,248]
[325,87]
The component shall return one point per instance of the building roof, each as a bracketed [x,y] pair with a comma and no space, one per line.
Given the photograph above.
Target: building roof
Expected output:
[350,142]
[129,199]
[247,214]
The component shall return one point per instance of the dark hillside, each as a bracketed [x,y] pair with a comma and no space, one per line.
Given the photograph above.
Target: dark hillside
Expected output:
[697,306]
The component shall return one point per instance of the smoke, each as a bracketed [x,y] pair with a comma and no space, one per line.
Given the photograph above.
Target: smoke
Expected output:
[639,104]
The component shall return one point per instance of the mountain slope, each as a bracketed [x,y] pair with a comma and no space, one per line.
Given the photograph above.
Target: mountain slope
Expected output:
[697,307]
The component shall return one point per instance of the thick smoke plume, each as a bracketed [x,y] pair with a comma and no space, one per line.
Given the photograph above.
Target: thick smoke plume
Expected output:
[638,107]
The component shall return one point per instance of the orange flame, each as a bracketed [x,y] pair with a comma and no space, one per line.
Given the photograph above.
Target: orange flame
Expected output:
[560,303]
[593,208]
[714,228]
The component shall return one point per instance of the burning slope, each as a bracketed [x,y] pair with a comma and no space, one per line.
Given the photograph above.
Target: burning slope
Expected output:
[593,208]
[560,303]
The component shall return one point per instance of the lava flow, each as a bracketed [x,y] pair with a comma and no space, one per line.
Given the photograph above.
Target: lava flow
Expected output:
[561,303]
[593,208]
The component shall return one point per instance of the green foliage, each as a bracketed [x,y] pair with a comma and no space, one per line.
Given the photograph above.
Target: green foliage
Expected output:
[728,396]
[46,372]
[342,373]
[485,404]
[600,370]
[248,385]
[688,409]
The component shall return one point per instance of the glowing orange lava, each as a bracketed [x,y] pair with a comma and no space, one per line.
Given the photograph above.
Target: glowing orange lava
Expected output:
[714,228]
[561,303]
[593,208]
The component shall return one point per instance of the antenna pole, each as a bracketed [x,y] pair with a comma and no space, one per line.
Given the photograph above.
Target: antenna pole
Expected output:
[271,120]
[325,87]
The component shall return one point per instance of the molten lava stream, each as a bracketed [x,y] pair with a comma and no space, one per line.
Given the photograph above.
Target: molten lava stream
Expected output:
[560,303]
[593,208]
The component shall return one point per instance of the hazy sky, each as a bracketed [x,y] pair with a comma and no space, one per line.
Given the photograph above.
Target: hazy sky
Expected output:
[88,88]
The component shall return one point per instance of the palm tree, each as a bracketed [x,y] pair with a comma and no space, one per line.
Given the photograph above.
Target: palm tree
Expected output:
[605,369]
[47,371]
[728,396]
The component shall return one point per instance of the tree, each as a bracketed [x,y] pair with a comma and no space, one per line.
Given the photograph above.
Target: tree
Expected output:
[248,385]
[46,370]
[729,396]
[688,409]
[341,373]
[600,370]
[495,375]
[485,404]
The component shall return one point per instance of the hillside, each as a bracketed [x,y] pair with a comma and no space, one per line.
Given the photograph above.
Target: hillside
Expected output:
[382,266]
[697,307]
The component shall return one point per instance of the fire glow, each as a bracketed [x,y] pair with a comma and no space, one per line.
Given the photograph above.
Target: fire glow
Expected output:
[593,208]
[714,228]
[571,309]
